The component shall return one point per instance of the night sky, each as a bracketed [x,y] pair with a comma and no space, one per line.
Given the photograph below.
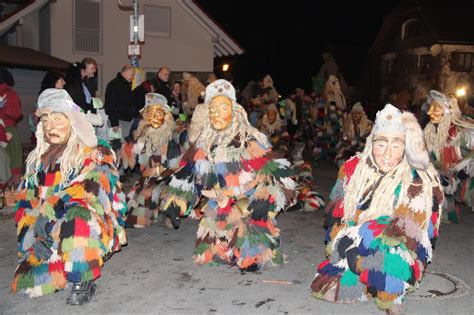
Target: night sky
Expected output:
[286,39]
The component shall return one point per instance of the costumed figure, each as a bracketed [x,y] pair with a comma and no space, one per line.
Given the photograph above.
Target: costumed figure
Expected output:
[70,213]
[450,141]
[191,90]
[272,126]
[384,217]
[232,165]
[267,94]
[333,94]
[355,129]
[157,149]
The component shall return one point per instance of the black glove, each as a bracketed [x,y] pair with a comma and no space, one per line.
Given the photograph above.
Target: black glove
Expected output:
[42,250]
[173,213]
[260,210]
[41,227]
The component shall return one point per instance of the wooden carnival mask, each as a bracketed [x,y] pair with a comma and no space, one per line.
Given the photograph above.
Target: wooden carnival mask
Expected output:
[220,112]
[271,116]
[155,116]
[435,112]
[388,149]
[356,117]
[56,127]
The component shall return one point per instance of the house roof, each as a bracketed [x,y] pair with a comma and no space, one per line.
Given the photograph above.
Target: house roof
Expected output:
[224,44]
[444,24]
[21,57]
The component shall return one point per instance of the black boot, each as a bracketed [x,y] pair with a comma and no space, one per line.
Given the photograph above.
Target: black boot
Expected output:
[252,268]
[81,293]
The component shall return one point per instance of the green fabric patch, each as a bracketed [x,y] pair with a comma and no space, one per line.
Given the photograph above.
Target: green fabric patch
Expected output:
[349,279]
[25,281]
[453,217]
[78,212]
[201,248]
[395,266]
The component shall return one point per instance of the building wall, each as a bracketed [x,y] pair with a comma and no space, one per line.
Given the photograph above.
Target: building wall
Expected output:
[189,47]
[448,84]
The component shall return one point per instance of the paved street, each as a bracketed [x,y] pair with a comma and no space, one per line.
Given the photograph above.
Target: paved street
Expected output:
[155,274]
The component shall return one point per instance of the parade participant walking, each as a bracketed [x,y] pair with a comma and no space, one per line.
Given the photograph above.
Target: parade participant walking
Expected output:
[157,149]
[231,163]
[450,141]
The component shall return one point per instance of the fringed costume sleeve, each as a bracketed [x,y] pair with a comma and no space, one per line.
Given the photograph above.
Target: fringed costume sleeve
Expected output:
[184,188]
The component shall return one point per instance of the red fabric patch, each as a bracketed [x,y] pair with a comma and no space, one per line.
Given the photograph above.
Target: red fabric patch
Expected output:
[338,210]
[376,228]
[96,273]
[260,223]
[19,214]
[182,163]
[416,270]
[87,161]
[434,219]
[350,166]
[254,164]
[323,264]
[56,266]
[227,208]
[49,179]
[364,276]
[81,228]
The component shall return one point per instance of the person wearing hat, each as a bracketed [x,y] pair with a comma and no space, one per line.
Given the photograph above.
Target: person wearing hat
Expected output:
[384,220]
[271,125]
[355,129]
[70,210]
[450,141]
[333,94]
[157,147]
[232,165]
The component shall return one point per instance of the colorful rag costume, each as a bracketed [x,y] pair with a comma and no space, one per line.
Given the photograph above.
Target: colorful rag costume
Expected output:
[245,186]
[275,130]
[450,143]
[70,210]
[382,226]
[157,151]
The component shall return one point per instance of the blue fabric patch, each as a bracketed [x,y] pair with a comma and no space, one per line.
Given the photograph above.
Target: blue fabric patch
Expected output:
[394,285]
[376,279]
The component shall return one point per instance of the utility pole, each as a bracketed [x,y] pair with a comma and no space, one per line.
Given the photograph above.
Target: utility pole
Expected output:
[136,34]
[134,59]
[135,29]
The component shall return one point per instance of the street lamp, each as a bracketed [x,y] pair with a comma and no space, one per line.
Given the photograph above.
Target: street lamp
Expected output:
[225,67]
[461,92]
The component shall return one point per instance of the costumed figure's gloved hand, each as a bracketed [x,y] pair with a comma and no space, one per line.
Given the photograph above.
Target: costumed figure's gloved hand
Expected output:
[173,213]
[260,210]
[44,241]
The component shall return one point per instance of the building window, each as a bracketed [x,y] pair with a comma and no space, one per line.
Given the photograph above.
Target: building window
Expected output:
[87,26]
[425,64]
[462,62]
[411,28]
[157,21]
